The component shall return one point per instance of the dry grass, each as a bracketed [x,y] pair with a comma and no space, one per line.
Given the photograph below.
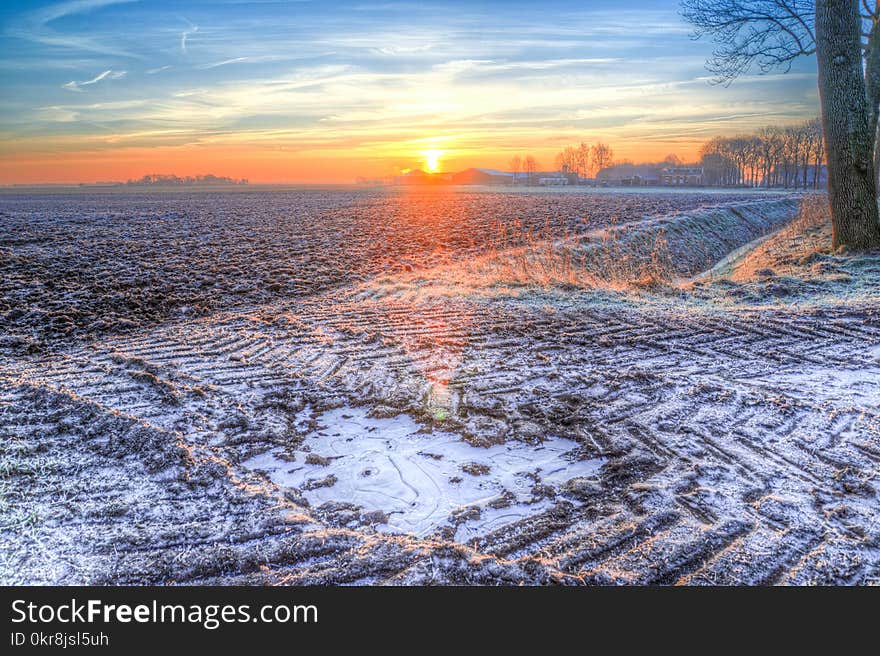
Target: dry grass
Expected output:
[610,258]
[808,234]
[808,227]
[624,256]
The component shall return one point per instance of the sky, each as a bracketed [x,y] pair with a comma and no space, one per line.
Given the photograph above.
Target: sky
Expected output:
[322,92]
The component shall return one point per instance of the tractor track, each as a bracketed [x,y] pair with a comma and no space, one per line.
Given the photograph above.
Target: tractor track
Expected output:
[739,446]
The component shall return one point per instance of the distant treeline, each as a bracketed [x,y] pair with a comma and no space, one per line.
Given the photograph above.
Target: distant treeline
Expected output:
[160,180]
[790,156]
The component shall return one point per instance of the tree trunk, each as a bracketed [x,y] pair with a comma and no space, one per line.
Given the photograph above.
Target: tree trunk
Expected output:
[849,143]
[877,157]
[806,163]
[872,88]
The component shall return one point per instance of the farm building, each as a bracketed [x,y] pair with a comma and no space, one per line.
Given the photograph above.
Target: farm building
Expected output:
[477,176]
[553,181]
[682,177]
[629,175]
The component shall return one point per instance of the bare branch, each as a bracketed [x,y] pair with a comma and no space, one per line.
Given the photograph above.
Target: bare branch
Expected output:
[767,34]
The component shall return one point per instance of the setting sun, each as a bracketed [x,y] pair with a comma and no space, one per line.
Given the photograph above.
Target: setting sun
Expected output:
[432,160]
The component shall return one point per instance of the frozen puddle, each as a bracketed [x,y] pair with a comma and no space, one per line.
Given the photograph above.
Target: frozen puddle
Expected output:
[420,479]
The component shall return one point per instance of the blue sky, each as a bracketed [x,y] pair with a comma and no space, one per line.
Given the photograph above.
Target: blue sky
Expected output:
[317,91]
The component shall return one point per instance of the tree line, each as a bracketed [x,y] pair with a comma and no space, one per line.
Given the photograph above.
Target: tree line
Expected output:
[790,156]
[584,160]
[167,180]
[526,164]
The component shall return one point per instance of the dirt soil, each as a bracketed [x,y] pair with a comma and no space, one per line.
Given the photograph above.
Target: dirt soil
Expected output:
[721,429]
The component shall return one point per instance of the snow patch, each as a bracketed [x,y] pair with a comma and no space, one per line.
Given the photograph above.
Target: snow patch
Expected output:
[857,385]
[419,479]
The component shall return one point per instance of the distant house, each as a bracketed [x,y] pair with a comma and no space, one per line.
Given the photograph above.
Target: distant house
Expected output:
[478,176]
[629,175]
[681,176]
[419,177]
[553,181]
[411,177]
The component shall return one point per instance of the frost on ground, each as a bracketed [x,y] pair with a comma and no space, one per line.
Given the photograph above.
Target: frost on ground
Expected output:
[415,420]
[415,481]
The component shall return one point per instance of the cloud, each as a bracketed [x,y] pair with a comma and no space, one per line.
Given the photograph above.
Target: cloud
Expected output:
[153,71]
[236,60]
[183,35]
[35,26]
[58,114]
[462,66]
[73,85]
[397,51]
[53,12]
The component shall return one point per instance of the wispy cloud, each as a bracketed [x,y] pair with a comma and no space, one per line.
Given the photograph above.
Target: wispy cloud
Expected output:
[398,51]
[58,114]
[491,66]
[153,71]
[73,85]
[192,29]
[35,26]
[225,62]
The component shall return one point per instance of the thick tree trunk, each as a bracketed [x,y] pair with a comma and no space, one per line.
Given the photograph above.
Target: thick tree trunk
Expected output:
[851,184]
[872,88]
[877,157]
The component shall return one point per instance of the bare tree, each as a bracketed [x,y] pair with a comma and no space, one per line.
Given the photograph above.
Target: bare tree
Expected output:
[777,155]
[601,156]
[720,155]
[515,165]
[771,34]
[567,161]
[584,160]
[736,149]
[816,141]
[806,151]
[770,142]
[530,165]
[717,165]
[560,163]
[793,148]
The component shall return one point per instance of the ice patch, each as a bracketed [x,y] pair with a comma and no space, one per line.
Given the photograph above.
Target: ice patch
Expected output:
[419,479]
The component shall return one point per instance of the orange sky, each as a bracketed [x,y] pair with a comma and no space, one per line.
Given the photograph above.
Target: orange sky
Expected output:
[107,90]
[272,166]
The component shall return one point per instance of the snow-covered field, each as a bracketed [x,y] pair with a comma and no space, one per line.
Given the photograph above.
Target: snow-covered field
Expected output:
[326,387]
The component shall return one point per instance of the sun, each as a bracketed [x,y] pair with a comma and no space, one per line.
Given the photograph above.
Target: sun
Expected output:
[432,159]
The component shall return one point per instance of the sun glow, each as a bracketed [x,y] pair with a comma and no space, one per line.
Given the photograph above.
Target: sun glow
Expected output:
[432,160]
